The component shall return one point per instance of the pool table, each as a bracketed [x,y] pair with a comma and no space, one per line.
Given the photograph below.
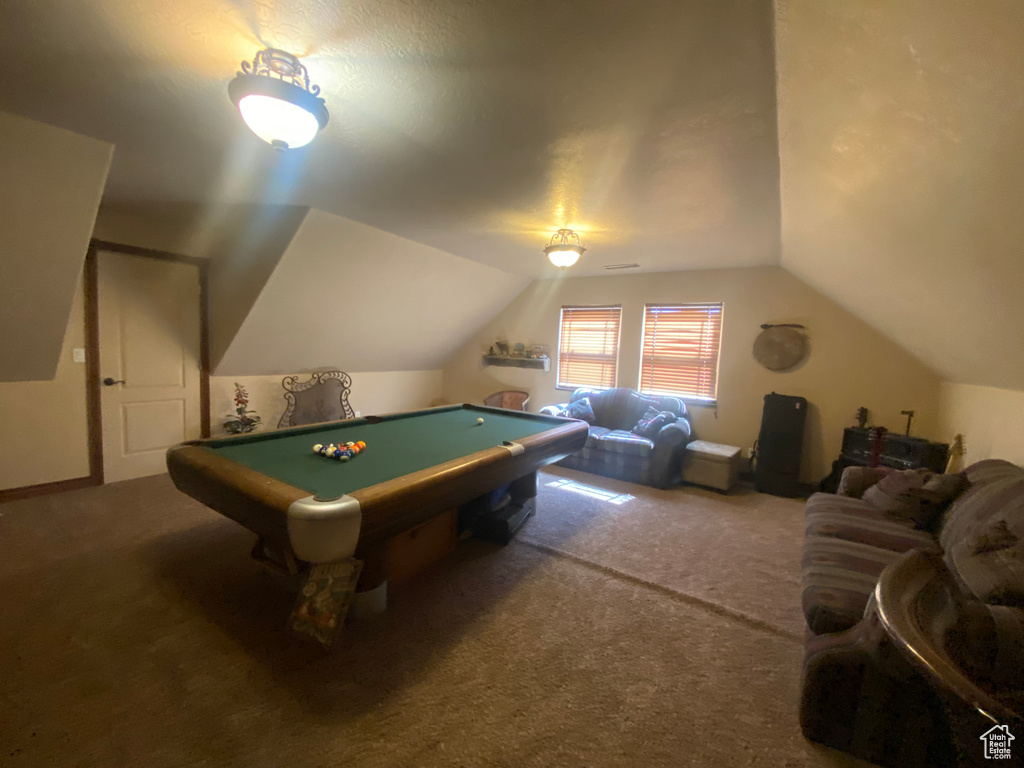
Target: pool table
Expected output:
[310,509]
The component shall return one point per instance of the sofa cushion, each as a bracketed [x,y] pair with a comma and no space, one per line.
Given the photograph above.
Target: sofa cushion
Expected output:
[987,643]
[996,491]
[594,436]
[652,421]
[990,565]
[855,480]
[621,441]
[856,520]
[838,579]
[896,494]
[580,409]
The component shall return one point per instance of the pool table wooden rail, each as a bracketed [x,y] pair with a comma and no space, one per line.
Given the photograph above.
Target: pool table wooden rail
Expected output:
[261,503]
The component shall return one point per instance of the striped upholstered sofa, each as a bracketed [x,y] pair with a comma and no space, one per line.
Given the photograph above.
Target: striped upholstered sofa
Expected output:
[915,645]
[614,451]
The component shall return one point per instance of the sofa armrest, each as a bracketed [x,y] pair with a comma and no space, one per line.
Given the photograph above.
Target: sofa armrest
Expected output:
[667,453]
[856,480]
[553,410]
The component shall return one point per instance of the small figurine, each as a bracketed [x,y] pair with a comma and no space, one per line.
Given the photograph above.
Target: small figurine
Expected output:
[502,348]
[519,350]
[490,352]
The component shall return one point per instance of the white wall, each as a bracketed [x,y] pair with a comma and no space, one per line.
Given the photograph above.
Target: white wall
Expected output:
[44,427]
[850,364]
[52,183]
[346,292]
[991,421]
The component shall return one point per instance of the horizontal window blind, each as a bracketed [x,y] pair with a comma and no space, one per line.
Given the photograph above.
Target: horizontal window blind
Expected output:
[680,352]
[588,347]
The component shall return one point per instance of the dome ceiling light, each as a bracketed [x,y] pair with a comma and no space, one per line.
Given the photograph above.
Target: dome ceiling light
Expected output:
[276,101]
[562,250]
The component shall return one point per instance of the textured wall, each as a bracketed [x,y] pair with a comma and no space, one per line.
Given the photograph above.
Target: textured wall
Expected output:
[990,419]
[903,172]
[43,423]
[850,364]
[52,182]
[350,295]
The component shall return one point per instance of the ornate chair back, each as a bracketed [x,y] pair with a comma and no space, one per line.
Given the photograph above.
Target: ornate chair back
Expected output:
[323,398]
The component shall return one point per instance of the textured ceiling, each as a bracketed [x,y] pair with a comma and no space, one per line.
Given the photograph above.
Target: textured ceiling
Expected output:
[477,127]
[903,172]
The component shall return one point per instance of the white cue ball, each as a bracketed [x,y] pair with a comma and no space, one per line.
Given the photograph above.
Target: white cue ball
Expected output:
[480,421]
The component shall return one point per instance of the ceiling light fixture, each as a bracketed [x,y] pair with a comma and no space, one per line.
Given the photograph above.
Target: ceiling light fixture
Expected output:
[562,251]
[276,101]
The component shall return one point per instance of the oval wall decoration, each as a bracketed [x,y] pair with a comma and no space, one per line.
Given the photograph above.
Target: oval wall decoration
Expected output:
[779,347]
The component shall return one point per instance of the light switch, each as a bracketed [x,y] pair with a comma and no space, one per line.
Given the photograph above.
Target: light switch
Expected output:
[79,355]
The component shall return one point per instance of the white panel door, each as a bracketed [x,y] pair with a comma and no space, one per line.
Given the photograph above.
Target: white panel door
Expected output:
[149,361]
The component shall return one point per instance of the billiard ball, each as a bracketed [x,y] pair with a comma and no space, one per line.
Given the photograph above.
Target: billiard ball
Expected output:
[480,421]
[317,448]
[361,444]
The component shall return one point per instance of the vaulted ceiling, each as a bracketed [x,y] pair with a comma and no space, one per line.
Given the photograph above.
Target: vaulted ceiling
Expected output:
[475,127]
[888,173]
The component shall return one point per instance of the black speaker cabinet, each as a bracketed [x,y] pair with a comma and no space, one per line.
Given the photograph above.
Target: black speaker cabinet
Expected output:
[780,444]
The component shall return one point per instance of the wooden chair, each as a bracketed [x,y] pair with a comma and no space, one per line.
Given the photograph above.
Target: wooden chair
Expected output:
[513,399]
[323,398]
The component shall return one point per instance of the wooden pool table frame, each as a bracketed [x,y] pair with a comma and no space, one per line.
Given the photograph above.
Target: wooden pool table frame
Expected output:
[267,506]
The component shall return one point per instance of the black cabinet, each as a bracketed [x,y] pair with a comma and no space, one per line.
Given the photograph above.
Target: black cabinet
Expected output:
[780,445]
[896,451]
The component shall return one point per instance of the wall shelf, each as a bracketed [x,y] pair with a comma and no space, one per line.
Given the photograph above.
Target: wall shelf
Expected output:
[519,362]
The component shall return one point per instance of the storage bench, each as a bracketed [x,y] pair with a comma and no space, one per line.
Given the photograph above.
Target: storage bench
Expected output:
[711,464]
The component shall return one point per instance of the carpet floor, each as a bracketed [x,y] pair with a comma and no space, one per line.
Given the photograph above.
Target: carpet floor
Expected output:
[658,630]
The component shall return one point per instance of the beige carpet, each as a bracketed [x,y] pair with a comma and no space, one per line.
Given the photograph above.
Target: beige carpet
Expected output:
[663,631]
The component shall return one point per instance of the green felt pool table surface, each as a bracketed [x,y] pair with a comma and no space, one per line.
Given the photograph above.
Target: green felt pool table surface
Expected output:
[396,445]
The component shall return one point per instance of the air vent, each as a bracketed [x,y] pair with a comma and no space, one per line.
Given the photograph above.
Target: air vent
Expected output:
[621,266]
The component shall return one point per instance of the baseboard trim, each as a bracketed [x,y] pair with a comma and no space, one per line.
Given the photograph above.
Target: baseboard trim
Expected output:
[44,489]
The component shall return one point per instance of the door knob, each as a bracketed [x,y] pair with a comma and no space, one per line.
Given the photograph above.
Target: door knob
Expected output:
[109,382]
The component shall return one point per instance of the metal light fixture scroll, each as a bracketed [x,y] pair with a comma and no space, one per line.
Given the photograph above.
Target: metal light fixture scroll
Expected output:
[565,248]
[276,101]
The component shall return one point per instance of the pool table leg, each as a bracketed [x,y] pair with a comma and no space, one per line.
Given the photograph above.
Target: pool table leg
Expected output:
[371,595]
[524,488]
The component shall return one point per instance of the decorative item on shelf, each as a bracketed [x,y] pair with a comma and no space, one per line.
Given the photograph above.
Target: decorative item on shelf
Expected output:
[780,346]
[490,351]
[565,248]
[511,361]
[519,350]
[502,348]
[540,351]
[276,101]
[243,420]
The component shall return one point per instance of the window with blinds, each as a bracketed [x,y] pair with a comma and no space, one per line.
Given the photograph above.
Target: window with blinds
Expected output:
[588,347]
[680,350]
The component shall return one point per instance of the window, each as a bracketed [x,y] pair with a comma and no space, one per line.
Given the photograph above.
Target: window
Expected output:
[588,347]
[680,352]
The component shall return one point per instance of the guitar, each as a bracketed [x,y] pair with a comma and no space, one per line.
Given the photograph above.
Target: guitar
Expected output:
[956,455]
